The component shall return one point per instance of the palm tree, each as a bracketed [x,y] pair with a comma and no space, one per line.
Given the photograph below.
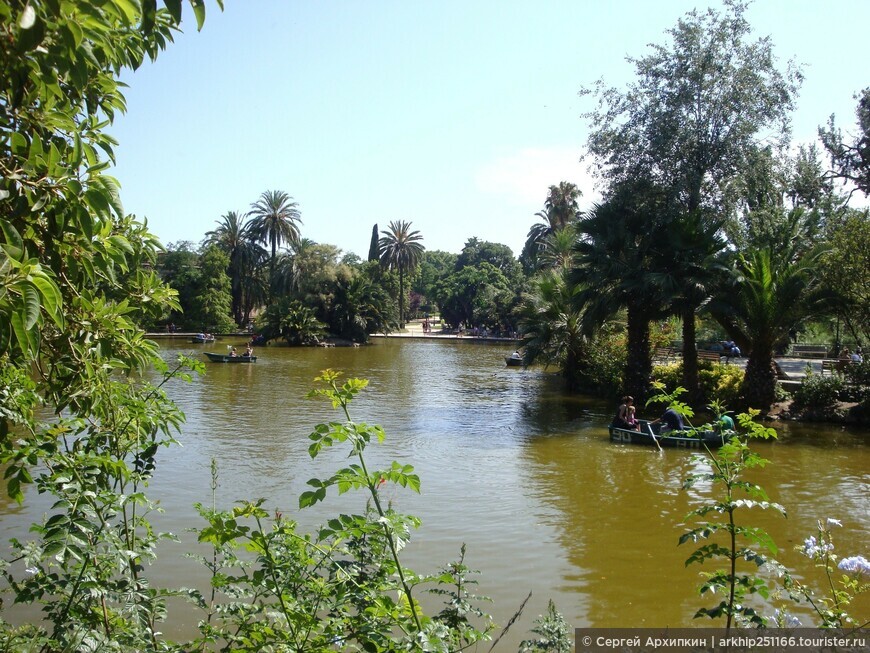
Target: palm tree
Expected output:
[274,219]
[290,269]
[622,244]
[551,324]
[557,249]
[401,251]
[695,271]
[361,307]
[236,240]
[560,211]
[774,291]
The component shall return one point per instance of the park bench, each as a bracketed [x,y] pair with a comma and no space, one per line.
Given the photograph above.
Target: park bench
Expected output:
[711,356]
[664,354]
[809,351]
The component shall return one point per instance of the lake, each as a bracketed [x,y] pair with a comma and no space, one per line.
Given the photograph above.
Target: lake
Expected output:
[510,464]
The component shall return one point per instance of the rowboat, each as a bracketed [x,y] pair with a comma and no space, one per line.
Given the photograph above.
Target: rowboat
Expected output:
[202,339]
[651,433]
[226,358]
[513,361]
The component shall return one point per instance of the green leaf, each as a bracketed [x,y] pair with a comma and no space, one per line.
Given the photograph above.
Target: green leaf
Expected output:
[13,487]
[121,243]
[14,245]
[174,7]
[77,151]
[149,15]
[18,143]
[21,333]
[31,305]
[128,9]
[51,297]
[110,184]
[36,149]
[199,12]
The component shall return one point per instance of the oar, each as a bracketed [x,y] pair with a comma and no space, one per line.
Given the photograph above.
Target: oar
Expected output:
[653,435]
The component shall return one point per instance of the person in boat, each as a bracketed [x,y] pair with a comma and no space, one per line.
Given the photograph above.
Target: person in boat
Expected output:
[233,353]
[625,415]
[248,352]
[517,355]
[671,419]
[725,424]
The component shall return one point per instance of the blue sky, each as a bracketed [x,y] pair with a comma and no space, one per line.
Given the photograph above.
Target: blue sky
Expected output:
[453,115]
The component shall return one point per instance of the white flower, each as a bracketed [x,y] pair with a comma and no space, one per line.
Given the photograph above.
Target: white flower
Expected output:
[856,564]
[32,570]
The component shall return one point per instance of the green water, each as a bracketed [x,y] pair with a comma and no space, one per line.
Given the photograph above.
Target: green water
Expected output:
[510,465]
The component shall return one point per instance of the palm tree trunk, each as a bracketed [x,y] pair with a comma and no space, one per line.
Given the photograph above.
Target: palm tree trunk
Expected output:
[759,382]
[690,357]
[401,299]
[638,367]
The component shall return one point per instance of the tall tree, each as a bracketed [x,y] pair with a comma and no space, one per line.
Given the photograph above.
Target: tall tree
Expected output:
[850,161]
[235,238]
[619,255]
[213,300]
[361,306]
[551,324]
[557,249]
[435,266]
[845,268]
[401,250]
[692,119]
[560,210]
[475,295]
[179,268]
[374,244]
[275,219]
[476,251]
[77,278]
[292,268]
[774,291]
[698,269]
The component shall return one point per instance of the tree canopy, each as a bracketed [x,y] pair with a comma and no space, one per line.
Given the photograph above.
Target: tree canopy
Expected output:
[696,108]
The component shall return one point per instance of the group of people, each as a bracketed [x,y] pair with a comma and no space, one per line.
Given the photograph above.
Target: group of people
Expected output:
[248,352]
[626,415]
[626,418]
[856,356]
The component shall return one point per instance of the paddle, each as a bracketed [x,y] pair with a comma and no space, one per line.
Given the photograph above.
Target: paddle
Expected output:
[653,436]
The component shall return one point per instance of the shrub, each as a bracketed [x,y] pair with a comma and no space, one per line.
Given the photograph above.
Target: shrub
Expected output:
[721,382]
[819,391]
[601,370]
[857,387]
[858,373]
[718,382]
